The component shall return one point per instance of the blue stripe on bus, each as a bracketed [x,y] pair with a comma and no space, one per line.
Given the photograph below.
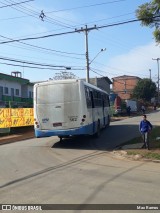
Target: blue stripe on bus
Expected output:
[84,130]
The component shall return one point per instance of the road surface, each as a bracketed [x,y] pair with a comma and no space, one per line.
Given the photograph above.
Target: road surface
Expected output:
[78,171]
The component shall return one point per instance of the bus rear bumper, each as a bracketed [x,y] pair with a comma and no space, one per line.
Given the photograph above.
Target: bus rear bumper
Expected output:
[84,130]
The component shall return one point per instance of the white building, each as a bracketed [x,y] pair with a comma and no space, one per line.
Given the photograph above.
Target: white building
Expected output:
[15,90]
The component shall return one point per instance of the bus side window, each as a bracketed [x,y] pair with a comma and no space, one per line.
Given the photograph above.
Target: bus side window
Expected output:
[88,97]
[92,99]
[108,100]
[95,98]
[105,98]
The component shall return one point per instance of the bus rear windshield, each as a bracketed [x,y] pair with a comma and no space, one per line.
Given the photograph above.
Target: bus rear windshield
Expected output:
[57,93]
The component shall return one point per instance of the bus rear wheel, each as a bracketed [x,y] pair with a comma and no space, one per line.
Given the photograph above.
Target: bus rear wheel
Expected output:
[97,134]
[108,122]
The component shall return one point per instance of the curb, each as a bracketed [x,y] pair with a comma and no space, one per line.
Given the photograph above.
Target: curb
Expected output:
[120,148]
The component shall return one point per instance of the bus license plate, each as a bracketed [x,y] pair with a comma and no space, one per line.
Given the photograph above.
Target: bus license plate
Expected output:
[57,124]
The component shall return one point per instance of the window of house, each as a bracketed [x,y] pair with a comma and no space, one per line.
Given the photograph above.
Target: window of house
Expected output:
[6,90]
[17,92]
[30,94]
[1,90]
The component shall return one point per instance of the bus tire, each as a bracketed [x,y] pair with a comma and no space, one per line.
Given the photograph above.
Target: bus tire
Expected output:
[60,138]
[97,134]
[108,122]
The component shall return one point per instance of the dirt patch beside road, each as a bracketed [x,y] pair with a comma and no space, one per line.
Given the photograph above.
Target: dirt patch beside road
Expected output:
[18,135]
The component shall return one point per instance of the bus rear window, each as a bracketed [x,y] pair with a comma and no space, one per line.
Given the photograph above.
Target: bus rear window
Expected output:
[57,93]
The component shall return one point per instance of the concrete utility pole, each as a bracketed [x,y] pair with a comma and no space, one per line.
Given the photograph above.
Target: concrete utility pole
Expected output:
[86,30]
[157,59]
[87,53]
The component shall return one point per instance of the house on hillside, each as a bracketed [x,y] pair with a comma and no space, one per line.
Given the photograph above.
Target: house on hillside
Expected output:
[15,91]
[123,85]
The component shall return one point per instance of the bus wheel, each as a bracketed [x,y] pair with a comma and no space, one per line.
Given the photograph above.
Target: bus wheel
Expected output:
[108,122]
[97,134]
[60,138]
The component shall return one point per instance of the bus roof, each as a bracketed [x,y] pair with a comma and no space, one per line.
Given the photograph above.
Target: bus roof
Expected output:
[69,81]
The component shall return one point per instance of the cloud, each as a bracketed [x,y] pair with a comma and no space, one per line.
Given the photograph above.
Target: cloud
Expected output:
[136,62]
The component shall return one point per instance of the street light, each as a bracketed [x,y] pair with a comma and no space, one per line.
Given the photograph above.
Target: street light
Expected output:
[103,49]
[88,63]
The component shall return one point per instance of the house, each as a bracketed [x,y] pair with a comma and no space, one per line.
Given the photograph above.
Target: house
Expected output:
[15,91]
[123,85]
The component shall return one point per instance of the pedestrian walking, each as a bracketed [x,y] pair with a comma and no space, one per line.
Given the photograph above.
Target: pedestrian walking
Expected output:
[143,109]
[128,110]
[145,127]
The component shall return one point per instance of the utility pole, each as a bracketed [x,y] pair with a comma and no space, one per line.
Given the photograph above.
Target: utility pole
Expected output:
[157,59]
[87,53]
[86,30]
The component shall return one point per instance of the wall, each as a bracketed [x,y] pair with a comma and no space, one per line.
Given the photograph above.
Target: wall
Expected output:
[10,85]
[123,86]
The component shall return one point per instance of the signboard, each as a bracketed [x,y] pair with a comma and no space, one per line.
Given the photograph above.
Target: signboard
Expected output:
[16,117]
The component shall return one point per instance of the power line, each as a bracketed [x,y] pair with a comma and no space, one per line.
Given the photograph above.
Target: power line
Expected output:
[39,37]
[42,68]
[36,14]
[85,6]
[37,65]
[13,4]
[120,82]
[30,62]
[71,32]
[57,51]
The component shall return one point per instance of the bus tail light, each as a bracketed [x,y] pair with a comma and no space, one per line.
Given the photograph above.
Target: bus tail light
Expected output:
[83,119]
[36,123]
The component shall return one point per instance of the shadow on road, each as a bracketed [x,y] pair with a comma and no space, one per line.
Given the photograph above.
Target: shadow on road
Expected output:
[109,139]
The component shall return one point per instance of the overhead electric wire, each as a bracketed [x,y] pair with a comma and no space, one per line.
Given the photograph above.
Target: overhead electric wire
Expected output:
[36,65]
[36,14]
[57,51]
[47,50]
[119,81]
[71,32]
[31,62]
[16,3]
[117,70]
[91,5]
[17,65]
[42,68]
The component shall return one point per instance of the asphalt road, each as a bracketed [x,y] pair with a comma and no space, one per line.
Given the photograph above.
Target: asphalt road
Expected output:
[78,170]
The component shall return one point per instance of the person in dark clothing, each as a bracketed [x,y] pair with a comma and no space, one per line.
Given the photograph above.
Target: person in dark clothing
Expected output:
[143,109]
[128,110]
[144,127]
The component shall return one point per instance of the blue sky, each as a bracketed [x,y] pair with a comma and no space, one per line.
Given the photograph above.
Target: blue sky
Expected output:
[129,48]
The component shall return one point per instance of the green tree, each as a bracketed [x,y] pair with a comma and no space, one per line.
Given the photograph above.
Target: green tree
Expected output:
[145,90]
[149,14]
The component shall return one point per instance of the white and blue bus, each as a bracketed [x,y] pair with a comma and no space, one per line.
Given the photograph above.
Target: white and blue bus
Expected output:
[66,108]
